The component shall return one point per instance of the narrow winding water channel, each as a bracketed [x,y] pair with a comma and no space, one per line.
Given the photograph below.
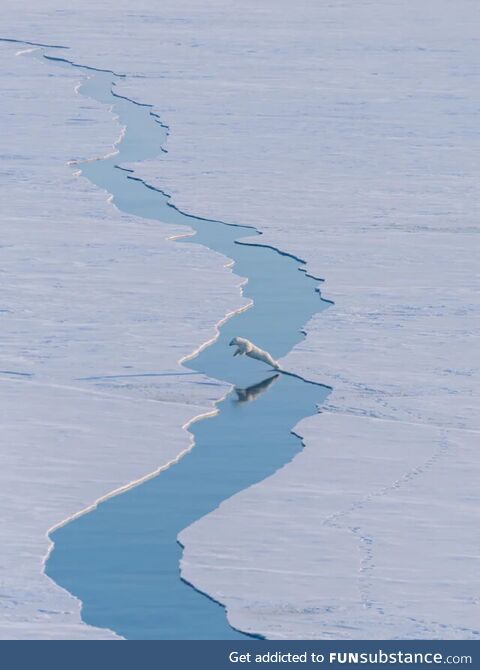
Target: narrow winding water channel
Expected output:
[122,558]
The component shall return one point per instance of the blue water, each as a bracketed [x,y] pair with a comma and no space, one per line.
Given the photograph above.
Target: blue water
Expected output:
[122,559]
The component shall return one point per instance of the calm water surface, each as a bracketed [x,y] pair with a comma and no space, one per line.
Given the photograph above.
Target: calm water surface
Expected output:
[122,559]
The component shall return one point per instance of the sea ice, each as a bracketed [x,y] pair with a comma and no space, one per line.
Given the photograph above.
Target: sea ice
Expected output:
[347,132]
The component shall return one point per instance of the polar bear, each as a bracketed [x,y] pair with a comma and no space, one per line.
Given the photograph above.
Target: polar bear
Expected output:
[249,349]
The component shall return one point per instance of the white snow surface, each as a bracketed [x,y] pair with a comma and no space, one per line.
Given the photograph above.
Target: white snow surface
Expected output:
[87,294]
[347,132]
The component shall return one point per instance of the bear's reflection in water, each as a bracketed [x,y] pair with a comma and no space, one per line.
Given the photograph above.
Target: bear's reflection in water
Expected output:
[252,392]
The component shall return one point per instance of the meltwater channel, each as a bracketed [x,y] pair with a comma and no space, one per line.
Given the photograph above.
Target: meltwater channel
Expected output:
[122,558]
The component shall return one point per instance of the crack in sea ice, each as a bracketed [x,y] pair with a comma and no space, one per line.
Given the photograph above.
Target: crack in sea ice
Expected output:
[225,443]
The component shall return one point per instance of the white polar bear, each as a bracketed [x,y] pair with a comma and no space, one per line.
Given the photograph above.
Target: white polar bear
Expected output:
[249,349]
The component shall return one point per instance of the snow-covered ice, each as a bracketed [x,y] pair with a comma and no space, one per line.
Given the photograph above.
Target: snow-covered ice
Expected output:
[347,132]
[88,314]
